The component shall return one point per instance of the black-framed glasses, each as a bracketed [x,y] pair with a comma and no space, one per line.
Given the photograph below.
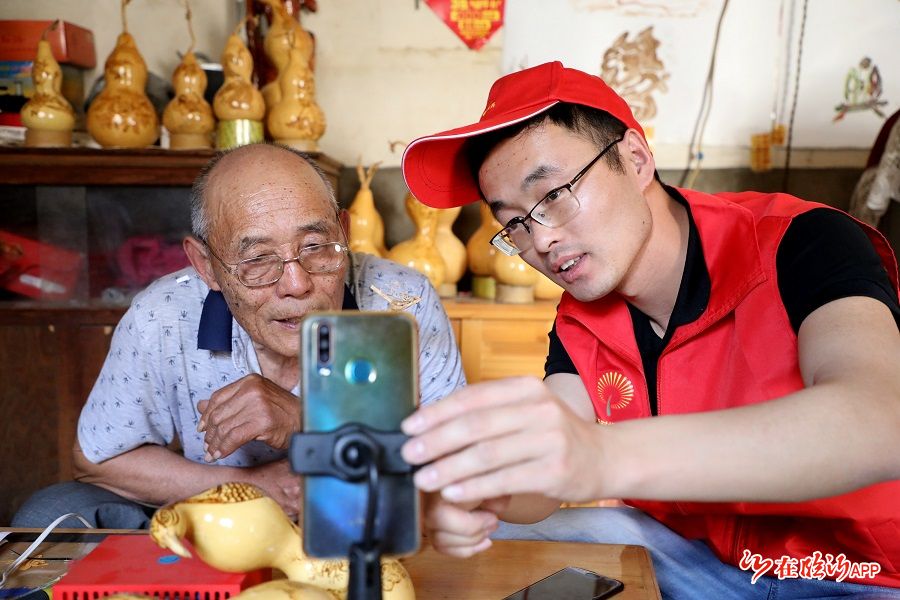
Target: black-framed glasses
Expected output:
[555,209]
[268,268]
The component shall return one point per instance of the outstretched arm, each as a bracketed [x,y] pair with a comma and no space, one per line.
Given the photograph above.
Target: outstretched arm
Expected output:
[838,434]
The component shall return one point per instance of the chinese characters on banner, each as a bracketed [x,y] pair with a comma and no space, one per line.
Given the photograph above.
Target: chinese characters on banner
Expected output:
[473,21]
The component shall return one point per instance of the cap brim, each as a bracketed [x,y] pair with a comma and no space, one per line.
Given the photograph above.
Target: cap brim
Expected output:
[436,170]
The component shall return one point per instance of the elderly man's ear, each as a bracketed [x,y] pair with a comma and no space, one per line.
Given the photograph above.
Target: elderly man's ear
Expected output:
[201,260]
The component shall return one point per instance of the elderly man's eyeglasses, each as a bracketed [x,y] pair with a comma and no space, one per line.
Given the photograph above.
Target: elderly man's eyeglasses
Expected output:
[555,209]
[268,268]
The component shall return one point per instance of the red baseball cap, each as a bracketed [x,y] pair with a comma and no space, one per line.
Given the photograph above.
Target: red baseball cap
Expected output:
[435,168]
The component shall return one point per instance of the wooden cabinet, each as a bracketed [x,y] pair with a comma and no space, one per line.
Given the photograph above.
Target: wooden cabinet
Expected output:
[49,359]
[501,340]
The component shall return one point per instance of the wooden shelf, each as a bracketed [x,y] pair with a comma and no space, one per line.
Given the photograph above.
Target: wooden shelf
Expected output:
[93,166]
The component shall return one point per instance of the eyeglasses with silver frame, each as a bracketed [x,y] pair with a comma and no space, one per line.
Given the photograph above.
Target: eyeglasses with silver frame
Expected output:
[556,208]
[268,268]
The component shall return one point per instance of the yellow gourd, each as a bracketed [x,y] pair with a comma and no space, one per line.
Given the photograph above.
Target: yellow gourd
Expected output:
[420,252]
[188,116]
[238,104]
[277,45]
[366,226]
[452,251]
[481,254]
[122,115]
[47,116]
[296,120]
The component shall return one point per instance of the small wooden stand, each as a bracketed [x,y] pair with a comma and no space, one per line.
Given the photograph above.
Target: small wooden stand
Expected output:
[447,290]
[515,294]
[484,286]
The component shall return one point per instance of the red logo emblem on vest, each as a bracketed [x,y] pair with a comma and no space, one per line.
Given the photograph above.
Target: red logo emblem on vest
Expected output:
[614,390]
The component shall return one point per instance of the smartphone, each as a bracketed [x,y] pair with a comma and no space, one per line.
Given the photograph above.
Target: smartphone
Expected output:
[571,583]
[358,367]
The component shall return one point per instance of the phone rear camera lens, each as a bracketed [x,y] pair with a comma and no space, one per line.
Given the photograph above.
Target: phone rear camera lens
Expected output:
[324,344]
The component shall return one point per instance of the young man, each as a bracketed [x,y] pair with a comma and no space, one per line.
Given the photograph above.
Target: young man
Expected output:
[726,363]
[206,358]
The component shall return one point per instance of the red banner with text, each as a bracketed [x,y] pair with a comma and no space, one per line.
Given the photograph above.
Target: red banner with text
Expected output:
[473,21]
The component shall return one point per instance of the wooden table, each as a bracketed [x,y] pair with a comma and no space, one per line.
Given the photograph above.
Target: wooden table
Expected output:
[508,566]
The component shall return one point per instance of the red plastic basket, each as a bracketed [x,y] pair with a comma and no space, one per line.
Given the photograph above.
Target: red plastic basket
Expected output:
[134,564]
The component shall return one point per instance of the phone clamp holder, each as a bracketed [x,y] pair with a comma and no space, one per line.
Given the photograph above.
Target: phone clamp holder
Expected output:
[355,453]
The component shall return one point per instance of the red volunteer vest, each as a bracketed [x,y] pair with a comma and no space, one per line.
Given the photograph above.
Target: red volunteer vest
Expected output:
[742,350]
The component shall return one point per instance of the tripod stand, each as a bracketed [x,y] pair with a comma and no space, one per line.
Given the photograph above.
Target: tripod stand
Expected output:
[355,453]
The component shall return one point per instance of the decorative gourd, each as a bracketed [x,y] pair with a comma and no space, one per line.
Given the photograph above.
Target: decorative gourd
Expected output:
[235,527]
[452,251]
[188,116]
[121,115]
[366,226]
[277,46]
[238,104]
[296,120]
[47,116]
[546,289]
[515,279]
[420,251]
[481,254]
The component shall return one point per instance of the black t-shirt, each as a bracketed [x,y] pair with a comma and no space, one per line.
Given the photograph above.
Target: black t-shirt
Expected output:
[824,255]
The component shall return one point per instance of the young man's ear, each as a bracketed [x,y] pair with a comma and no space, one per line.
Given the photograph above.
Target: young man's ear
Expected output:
[638,155]
[201,260]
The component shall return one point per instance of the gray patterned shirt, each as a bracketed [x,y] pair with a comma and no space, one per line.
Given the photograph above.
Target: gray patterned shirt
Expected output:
[155,374]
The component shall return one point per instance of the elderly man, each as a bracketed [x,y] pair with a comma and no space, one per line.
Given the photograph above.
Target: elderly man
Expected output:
[206,359]
[727,363]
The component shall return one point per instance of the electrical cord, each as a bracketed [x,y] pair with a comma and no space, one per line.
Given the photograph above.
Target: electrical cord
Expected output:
[695,148]
[27,553]
[790,133]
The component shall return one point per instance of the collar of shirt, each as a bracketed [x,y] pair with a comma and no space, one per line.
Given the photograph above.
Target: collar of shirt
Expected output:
[693,292]
[214,332]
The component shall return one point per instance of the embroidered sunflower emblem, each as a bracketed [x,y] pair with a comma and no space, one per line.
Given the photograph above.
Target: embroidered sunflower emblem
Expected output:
[615,390]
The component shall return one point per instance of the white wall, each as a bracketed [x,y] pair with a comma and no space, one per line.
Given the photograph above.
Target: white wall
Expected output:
[386,71]
[749,64]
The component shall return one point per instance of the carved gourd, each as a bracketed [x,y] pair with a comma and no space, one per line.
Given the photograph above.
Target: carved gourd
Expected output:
[366,226]
[296,120]
[188,117]
[277,46]
[420,251]
[236,528]
[121,115]
[238,104]
[47,116]
[452,251]
[481,254]
[515,279]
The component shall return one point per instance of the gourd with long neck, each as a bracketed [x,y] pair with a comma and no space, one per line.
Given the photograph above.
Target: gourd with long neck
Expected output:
[47,116]
[420,252]
[283,28]
[296,120]
[237,98]
[122,115]
[452,251]
[188,116]
[481,254]
[366,226]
